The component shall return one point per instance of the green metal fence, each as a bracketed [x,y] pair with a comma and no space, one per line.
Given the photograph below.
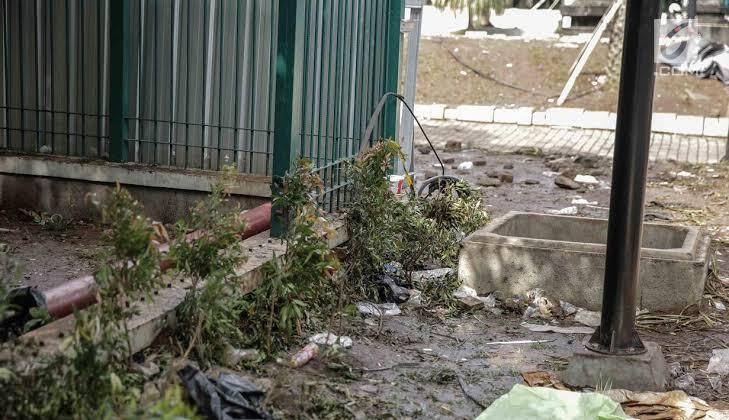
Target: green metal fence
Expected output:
[199,83]
[335,62]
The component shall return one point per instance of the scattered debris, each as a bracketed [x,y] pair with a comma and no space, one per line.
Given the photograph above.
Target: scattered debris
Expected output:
[379,309]
[686,383]
[148,369]
[501,343]
[488,182]
[506,177]
[234,356]
[447,160]
[567,308]
[453,146]
[465,166]
[589,318]
[719,362]
[566,183]
[531,181]
[582,201]
[304,355]
[425,150]
[228,397]
[684,174]
[543,378]
[558,329]
[425,276]
[719,306]
[572,210]
[479,162]
[663,405]
[328,339]
[398,293]
[586,179]
[416,298]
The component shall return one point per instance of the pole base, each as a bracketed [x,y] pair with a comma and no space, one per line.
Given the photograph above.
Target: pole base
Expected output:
[636,345]
[638,372]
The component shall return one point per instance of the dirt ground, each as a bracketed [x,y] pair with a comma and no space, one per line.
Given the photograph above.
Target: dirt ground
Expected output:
[429,364]
[425,364]
[537,71]
[48,258]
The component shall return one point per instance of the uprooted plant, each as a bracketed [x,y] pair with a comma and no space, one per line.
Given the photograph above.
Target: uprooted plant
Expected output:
[89,376]
[206,251]
[300,289]
[411,230]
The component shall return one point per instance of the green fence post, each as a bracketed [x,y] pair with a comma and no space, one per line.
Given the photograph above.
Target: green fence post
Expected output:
[118,78]
[395,13]
[287,110]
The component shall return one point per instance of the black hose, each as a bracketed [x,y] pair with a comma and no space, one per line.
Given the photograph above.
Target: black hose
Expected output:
[364,142]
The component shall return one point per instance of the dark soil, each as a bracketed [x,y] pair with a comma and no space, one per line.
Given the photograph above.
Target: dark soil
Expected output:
[417,365]
[541,68]
[48,258]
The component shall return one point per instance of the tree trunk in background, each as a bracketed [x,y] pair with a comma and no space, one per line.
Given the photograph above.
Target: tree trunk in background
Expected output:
[615,50]
[479,21]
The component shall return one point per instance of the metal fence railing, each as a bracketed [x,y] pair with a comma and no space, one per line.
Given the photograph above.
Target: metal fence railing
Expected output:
[342,57]
[199,83]
[198,86]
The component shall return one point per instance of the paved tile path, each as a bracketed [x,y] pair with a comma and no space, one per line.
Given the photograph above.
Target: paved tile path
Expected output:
[569,141]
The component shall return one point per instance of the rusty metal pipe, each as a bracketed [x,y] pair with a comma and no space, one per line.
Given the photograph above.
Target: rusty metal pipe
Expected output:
[81,292]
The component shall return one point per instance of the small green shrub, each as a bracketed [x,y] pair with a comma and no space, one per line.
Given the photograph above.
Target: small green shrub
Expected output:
[412,231]
[90,379]
[208,318]
[300,288]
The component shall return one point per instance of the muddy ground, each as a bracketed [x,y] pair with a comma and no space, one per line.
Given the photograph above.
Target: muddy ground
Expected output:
[426,363]
[533,73]
[50,257]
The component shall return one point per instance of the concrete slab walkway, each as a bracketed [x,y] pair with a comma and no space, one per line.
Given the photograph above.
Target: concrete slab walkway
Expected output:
[569,141]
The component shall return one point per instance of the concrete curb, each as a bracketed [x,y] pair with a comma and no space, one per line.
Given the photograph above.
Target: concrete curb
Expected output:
[670,123]
[159,313]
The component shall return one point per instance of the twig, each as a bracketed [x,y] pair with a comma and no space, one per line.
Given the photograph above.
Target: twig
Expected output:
[498,343]
[396,365]
[470,397]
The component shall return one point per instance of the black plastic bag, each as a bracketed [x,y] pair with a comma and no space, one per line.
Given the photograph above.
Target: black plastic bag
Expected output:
[228,398]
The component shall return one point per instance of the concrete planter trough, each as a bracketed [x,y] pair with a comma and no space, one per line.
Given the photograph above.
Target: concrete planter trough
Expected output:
[565,256]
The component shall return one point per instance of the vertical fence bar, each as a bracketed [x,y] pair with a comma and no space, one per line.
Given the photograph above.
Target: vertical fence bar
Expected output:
[395,12]
[289,79]
[119,79]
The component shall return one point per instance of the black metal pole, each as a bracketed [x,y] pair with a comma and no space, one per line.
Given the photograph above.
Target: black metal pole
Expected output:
[616,334]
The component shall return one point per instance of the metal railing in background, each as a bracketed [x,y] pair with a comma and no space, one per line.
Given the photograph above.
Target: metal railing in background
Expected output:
[200,83]
[335,62]
[192,78]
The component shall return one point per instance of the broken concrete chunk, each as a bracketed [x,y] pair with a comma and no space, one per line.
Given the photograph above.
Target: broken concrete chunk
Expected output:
[506,177]
[567,308]
[328,339]
[719,362]
[426,276]
[589,318]
[464,291]
[380,309]
[453,146]
[425,150]
[566,183]
[586,179]
[569,211]
[488,182]
[464,167]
